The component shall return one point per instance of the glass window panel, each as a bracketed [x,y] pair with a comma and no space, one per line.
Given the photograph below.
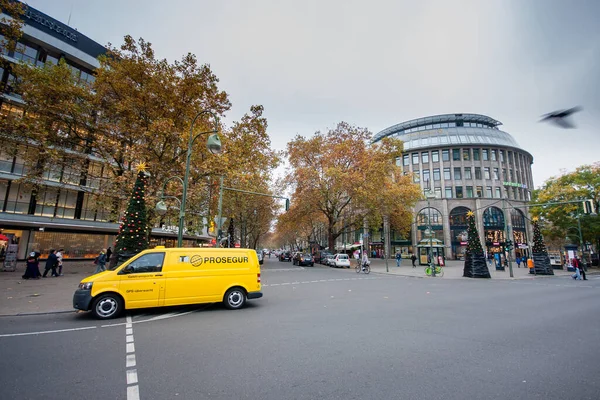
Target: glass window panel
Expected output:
[459,192]
[484,154]
[443,139]
[447,174]
[425,157]
[498,193]
[469,191]
[468,173]
[416,177]
[496,173]
[426,177]
[435,156]
[415,158]
[436,174]
[486,173]
[405,159]
[456,154]
[448,192]
[494,155]
[466,154]
[488,192]
[476,154]
[457,174]
[445,155]
[479,191]
[477,172]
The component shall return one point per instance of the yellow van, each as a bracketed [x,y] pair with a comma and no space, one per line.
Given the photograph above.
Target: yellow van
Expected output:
[172,277]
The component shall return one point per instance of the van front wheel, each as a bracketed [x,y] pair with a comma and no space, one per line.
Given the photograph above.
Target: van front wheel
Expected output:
[235,298]
[108,305]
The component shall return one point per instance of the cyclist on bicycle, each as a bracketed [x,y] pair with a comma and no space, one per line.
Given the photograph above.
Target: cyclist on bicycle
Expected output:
[365,260]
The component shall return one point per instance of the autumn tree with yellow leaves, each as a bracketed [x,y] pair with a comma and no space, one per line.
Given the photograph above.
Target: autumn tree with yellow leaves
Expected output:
[341,177]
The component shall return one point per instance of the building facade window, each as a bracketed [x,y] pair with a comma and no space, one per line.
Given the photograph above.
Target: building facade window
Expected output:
[448,192]
[415,158]
[496,174]
[477,172]
[425,157]
[445,155]
[457,174]
[436,174]
[447,176]
[502,156]
[494,155]
[466,155]
[435,156]
[459,192]
[486,173]
[484,154]
[426,177]
[468,173]
[476,154]
[456,154]
[469,191]
[488,192]
[405,160]
[416,177]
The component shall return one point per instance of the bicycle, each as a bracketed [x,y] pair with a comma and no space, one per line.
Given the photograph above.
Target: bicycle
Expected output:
[439,271]
[366,267]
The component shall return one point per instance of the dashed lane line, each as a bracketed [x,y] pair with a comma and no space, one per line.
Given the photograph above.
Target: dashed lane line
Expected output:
[46,332]
[131,375]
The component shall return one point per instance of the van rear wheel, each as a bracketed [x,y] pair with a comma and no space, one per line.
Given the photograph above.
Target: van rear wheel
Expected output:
[106,306]
[235,298]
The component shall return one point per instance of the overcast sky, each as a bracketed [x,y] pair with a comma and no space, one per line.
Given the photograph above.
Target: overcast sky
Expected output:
[377,63]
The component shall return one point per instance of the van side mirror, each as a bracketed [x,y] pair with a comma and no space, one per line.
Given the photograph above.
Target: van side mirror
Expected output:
[127,270]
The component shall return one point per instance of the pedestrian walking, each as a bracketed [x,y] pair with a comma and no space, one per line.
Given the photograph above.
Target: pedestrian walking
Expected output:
[51,263]
[59,260]
[413,258]
[32,271]
[518,261]
[100,261]
[109,253]
[398,258]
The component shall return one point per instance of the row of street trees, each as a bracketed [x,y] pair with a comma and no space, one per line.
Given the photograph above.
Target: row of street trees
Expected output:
[340,180]
[138,109]
[560,221]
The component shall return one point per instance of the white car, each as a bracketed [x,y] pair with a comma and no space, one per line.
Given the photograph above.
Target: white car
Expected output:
[341,261]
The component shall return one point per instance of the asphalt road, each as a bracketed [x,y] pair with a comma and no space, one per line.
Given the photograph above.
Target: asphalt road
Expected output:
[322,333]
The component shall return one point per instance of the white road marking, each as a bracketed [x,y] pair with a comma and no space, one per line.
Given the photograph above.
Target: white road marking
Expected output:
[130,348]
[132,376]
[133,390]
[130,361]
[45,332]
[133,393]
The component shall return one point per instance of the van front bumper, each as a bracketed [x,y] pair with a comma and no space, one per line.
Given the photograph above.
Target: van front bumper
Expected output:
[82,299]
[254,295]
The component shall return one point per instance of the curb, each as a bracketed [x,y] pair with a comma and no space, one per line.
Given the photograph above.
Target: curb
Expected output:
[38,313]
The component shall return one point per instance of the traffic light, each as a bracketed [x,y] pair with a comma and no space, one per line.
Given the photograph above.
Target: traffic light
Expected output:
[211,229]
[589,207]
[508,245]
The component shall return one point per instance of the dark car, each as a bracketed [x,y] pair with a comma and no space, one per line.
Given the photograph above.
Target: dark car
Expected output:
[303,259]
[285,256]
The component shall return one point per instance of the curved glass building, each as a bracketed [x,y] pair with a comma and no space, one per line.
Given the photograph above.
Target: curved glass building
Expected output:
[466,163]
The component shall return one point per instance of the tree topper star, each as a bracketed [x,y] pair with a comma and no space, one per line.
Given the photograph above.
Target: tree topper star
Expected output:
[470,214]
[140,167]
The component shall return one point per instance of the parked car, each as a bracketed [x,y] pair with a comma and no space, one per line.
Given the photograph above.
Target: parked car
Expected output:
[341,261]
[303,259]
[329,260]
[320,256]
[285,256]
[260,256]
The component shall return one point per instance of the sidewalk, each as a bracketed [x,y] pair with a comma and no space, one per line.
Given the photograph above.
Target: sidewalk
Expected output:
[44,295]
[454,270]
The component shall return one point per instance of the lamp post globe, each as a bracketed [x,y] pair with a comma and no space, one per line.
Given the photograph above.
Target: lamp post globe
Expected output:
[161,207]
[213,144]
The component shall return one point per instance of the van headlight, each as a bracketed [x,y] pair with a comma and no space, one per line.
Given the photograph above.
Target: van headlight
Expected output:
[85,286]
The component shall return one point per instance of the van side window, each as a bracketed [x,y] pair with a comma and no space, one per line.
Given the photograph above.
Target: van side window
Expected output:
[147,263]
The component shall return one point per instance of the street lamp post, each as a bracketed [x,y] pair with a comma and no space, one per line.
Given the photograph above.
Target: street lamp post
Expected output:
[429,194]
[213,144]
[505,211]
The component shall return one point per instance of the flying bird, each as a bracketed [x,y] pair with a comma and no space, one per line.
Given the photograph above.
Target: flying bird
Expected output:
[561,118]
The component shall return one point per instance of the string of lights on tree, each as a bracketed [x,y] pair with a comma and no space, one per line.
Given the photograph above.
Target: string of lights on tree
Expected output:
[473,244]
[133,230]
[538,239]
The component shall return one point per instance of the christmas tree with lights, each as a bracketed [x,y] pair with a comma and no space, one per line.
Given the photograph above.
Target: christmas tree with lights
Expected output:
[133,231]
[541,261]
[475,263]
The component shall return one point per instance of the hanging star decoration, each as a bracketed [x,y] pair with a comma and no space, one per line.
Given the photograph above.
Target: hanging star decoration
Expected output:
[141,167]
[470,214]
[535,219]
